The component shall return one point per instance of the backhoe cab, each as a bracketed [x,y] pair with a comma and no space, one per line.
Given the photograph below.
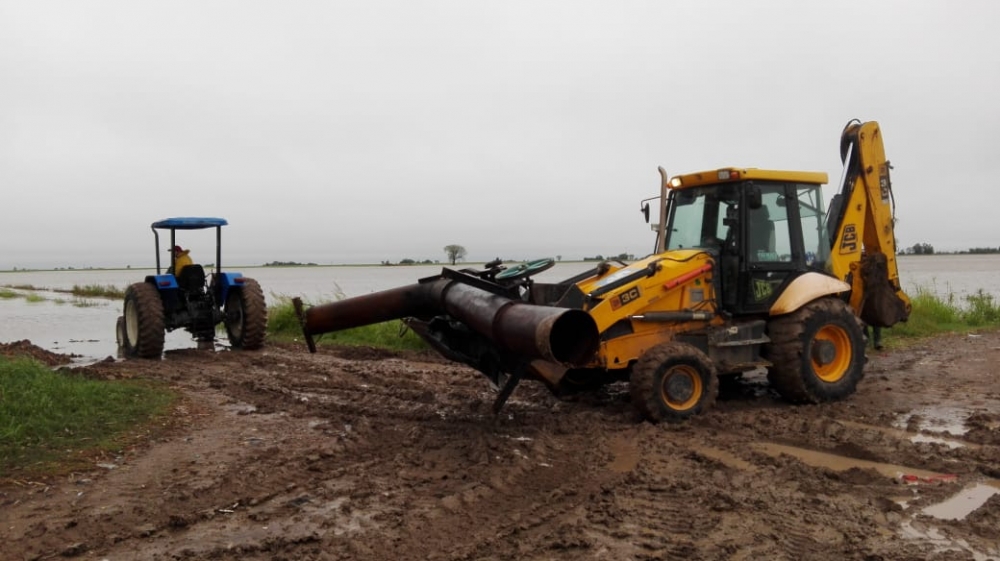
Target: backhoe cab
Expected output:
[763,227]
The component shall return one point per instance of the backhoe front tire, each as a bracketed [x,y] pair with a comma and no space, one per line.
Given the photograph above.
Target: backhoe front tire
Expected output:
[246,316]
[143,332]
[672,382]
[817,352]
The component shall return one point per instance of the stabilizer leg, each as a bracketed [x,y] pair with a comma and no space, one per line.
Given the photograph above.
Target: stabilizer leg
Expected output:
[506,390]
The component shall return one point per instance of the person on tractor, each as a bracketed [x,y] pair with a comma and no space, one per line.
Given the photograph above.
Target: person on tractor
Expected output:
[181,259]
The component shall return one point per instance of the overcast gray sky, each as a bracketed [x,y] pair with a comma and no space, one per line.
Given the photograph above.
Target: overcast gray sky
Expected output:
[356,132]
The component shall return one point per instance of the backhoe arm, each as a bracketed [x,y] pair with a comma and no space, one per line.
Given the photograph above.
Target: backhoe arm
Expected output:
[861,228]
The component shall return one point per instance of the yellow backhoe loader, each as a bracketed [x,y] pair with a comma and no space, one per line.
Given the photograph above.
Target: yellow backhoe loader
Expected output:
[749,271]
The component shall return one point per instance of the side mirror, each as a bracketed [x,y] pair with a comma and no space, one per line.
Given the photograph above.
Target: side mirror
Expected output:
[645,212]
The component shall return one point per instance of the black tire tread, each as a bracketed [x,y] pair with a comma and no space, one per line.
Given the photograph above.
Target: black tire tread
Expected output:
[791,373]
[644,380]
[254,317]
[149,309]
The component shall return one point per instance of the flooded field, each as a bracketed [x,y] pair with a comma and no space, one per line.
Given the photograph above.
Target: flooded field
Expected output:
[86,326]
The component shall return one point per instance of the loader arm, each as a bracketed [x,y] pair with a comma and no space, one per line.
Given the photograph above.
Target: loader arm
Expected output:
[861,226]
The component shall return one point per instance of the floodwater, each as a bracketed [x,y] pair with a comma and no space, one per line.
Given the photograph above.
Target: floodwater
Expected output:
[85,327]
[951,276]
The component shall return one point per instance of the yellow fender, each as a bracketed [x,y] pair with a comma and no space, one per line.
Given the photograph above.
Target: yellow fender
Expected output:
[805,289]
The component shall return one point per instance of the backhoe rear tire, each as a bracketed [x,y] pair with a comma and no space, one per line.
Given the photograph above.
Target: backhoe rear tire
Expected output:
[817,352]
[246,316]
[672,382]
[143,332]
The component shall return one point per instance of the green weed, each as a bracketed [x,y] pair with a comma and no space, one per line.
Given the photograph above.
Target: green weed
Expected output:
[283,325]
[98,291]
[934,315]
[981,310]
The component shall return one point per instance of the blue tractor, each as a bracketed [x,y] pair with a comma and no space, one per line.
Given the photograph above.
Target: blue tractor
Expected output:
[191,300]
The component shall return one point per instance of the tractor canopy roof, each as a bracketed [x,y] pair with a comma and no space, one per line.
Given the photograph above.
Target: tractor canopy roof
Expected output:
[189,223]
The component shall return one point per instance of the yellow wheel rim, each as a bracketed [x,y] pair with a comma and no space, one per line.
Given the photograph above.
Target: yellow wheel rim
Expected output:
[834,361]
[681,387]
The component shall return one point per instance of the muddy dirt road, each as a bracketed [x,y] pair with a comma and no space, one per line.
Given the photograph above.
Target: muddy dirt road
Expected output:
[279,454]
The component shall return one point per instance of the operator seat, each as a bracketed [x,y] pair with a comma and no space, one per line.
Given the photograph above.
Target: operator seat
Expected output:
[192,279]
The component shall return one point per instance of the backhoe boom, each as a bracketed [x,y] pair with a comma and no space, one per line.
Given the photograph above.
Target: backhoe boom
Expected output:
[861,227]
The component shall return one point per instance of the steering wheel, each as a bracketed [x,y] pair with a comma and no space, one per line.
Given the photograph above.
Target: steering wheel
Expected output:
[525,270]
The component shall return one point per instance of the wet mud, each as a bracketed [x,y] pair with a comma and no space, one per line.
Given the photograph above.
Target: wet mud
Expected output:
[362,454]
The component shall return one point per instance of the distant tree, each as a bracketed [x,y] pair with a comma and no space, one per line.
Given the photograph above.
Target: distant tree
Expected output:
[454,253]
[984,250]
[288,264]
[558,257]
[922,249]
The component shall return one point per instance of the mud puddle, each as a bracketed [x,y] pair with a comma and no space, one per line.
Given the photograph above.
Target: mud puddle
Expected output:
[842,463]
[943,420]
[963,503]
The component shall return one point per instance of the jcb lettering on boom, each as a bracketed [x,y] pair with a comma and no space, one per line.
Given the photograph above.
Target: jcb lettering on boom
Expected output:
[849,244]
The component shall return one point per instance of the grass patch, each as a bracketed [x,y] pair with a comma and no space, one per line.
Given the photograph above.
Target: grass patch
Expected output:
[22,286]
[283,325]
[109,291]
[933,315]
[98,291]
[50,418]
[34,298]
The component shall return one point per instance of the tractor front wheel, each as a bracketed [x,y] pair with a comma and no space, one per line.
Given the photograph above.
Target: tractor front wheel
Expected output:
[143,330]
[817,352]
[673,381]
[246,316]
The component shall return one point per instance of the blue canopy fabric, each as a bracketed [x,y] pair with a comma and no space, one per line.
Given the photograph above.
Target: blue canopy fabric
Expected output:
[189,223]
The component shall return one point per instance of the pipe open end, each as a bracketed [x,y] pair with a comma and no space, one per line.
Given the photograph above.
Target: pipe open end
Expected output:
[574,338]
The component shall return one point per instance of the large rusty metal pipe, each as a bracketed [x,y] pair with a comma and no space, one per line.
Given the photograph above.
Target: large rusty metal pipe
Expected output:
[415,300]
[561,335]
[558,334]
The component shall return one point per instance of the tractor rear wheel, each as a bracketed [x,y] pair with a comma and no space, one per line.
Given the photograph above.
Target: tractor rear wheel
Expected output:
[673,381]
[143,332]
[246,316]
[817,352]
